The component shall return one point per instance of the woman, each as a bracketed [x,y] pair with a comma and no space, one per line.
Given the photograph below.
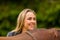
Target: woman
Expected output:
[26,21]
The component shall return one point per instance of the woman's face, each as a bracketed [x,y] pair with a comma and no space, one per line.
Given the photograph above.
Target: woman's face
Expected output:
[30,21]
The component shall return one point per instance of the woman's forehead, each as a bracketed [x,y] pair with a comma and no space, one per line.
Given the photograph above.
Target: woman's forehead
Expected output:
[30,14]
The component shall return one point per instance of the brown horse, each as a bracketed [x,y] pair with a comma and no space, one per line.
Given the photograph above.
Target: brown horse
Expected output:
[38,34]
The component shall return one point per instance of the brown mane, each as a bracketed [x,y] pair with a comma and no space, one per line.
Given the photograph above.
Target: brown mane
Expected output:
[39,34]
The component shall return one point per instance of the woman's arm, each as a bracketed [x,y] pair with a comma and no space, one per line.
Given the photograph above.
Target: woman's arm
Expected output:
[10,34]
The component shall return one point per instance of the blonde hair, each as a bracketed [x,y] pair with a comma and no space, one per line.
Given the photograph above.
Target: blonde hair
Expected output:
[20,20]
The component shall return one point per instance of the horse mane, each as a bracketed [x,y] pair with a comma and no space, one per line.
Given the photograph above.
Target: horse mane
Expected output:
[39,34]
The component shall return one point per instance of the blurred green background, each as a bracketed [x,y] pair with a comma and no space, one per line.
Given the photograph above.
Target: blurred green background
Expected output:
[48,13]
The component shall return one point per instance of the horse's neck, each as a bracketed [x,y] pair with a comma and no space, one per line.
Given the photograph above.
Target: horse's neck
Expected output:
[41,34]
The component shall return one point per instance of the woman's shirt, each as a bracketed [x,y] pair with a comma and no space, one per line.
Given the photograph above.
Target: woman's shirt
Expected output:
[12,34]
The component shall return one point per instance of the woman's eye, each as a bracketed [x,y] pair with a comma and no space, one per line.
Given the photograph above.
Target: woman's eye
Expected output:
[34,18]
[29,18]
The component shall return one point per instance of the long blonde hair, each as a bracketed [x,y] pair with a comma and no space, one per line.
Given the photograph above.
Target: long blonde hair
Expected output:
[20,20]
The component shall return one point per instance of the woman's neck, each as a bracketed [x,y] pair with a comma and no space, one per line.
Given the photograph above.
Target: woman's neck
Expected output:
[24,30]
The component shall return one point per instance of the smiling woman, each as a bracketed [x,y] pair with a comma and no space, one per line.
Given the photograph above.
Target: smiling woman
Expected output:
[26,21]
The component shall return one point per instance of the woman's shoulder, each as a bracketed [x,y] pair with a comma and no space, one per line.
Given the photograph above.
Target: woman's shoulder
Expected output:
[12,33]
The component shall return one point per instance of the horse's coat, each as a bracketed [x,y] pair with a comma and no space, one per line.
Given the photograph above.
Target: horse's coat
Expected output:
[41,34]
